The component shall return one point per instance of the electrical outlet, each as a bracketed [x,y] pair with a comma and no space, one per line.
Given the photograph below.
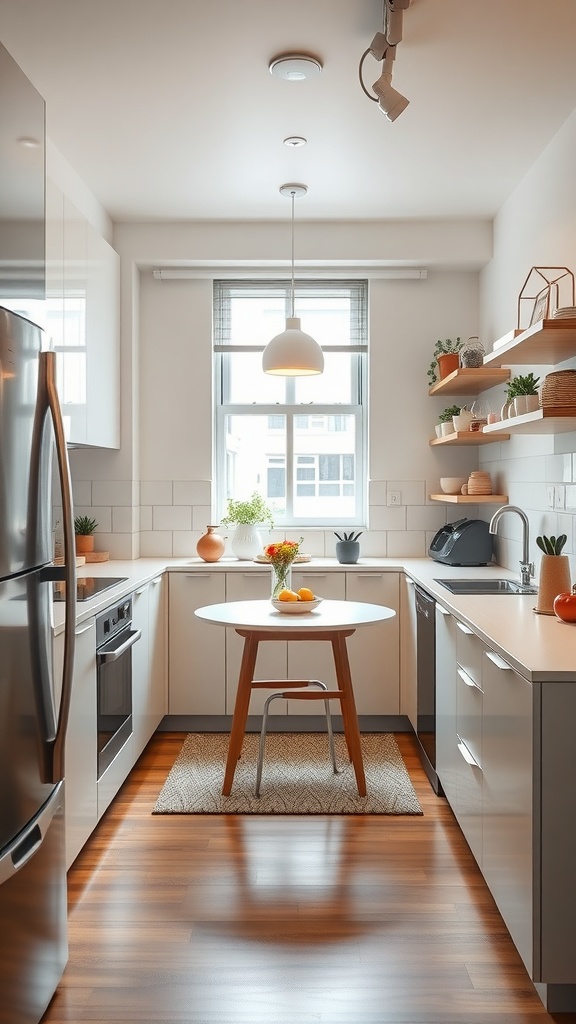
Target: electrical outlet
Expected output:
[394,498]
[550,496]
[559,497]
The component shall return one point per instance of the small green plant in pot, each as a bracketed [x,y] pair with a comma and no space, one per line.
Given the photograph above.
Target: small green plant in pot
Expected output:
[348,548]
[84,527]
[439,365]
[522,392]
[247,515]
[446,417]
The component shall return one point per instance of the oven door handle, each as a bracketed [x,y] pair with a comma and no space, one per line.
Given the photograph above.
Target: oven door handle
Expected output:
[105,655]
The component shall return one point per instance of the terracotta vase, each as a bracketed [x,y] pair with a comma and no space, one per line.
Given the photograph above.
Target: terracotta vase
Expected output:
[447,363]
[84,543]
[554,580]
[211,545]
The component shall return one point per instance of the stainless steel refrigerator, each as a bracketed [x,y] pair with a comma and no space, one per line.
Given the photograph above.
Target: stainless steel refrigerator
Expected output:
[33,705]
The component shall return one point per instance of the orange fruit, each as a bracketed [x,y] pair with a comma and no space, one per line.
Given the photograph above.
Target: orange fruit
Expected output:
[287,595]
[305,594]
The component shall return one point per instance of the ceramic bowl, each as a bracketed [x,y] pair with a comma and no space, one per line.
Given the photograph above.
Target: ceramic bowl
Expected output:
[296,607]
[452,484]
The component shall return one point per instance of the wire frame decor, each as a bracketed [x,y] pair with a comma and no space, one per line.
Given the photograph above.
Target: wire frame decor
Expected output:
[537,301]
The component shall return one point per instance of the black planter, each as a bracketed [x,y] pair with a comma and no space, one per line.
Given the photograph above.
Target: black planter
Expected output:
[347,551]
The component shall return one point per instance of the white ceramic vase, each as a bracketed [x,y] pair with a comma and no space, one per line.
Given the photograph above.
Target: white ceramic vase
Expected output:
[246,542]
[524,404]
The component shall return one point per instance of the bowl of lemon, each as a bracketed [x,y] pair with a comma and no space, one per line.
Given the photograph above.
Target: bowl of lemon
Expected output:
[296,602]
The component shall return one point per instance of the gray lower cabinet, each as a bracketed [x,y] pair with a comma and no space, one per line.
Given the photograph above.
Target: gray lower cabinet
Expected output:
[505,748]
[507,860]
[148,661]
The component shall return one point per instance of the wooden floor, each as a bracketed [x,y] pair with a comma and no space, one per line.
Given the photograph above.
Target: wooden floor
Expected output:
[285,920]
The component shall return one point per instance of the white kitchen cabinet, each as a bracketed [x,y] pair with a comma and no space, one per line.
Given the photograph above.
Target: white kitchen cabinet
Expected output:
[196,649]
[102,342]
[507,860]
[408,693]
[81,801]
[308,659]
[148,662]
[82,318]
[271,661]
[374,651]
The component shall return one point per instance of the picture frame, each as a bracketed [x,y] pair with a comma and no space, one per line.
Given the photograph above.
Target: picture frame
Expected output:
[540,308]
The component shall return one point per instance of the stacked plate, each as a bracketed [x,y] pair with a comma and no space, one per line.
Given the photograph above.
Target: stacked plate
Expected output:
[479,483]
[564,313]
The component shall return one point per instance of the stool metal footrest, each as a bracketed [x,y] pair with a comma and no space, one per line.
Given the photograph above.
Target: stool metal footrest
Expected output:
[303,692]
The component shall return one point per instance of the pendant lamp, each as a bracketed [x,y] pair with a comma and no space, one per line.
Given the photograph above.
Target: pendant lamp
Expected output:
[293,353]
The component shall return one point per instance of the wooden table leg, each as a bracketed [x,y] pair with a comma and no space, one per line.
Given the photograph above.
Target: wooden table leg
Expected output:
[240,709]
[348,705]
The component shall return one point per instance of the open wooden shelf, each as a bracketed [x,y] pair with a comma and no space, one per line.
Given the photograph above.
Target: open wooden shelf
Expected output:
[470,381]
[471,499]
[543,421]
[471,437]
[546,342]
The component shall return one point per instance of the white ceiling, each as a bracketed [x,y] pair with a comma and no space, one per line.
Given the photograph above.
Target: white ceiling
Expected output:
[167,109]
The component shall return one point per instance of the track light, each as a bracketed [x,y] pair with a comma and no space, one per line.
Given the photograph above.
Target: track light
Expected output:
[293,353]
[383,47]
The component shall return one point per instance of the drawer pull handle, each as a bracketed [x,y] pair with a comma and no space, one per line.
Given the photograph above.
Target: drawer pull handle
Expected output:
[141,591]
[79,632]
[198,575]
[371,576]
[467,679]
[465,629]
[468,757]
[443,611]
[498,661]
[156,581]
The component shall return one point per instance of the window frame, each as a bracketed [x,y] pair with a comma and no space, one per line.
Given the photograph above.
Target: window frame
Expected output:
[358,408]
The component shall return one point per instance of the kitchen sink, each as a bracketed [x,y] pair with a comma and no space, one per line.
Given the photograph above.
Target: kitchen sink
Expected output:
[488,586]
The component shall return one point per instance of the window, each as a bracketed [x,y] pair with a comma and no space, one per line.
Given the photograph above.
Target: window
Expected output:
[308,464]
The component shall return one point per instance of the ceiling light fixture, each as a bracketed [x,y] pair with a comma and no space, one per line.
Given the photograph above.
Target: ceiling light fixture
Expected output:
[295,67]
[383,47]
[293,353]
[294,141]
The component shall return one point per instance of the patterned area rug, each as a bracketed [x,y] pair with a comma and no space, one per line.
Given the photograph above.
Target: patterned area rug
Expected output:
[297,777]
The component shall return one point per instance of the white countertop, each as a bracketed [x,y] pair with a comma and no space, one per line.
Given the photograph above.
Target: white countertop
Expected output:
[539,646]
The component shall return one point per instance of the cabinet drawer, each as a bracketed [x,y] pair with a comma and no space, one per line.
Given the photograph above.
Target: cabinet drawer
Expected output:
[469,649]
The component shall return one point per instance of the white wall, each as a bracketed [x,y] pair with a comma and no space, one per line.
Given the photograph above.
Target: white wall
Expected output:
[535,227]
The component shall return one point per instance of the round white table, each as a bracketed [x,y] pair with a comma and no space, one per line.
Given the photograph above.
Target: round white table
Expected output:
[333,621]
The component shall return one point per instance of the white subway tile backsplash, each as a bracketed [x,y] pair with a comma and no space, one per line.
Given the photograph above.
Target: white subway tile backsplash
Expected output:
[125,519]
[373,544]
[156,492]
[102,515]
[82,492]
[156,544]
[413,492]
[201,518]
[192,492]
[145,518]
[118,545]
[184,543]
[112,492]
[377,492]
[171,517]
[411,544]
[388,518]
[558,468]
[425,517]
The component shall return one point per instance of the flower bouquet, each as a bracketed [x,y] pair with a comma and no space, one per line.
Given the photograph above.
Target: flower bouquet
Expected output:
[281,556]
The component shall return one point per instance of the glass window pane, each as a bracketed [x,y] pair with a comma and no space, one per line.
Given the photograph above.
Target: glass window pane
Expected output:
[249,448]
[248,383]
[305,474]
[333,495]
[305,490]
[334,385]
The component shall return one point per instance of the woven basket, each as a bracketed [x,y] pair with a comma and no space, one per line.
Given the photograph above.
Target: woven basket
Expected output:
[558,390]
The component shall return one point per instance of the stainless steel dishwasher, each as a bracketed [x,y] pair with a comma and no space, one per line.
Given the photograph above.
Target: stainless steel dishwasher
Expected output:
[426,684]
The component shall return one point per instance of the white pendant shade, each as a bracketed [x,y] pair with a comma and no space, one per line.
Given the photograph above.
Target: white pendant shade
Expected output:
[293,353]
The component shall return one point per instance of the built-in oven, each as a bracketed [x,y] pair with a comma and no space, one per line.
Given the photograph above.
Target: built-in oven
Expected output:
[426,684]
[115,638]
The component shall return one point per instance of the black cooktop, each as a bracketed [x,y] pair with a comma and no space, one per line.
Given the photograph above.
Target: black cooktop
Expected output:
[88,587]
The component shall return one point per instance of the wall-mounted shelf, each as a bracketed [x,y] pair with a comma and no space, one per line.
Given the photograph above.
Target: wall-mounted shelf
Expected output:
[470,381]
[546,342]
[471,437]
[543,421]
[471,499]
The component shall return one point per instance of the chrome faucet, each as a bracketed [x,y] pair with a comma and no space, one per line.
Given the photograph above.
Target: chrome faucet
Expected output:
[526,566]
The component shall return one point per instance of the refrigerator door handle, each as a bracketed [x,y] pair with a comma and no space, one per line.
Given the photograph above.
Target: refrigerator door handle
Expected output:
[25,845]
[48,382]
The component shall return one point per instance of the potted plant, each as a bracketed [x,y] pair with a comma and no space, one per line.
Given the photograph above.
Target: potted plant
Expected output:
[446,359]
[523,392]
[554,572]
[247,515]
[347,548]
[447,426]
[84,528]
